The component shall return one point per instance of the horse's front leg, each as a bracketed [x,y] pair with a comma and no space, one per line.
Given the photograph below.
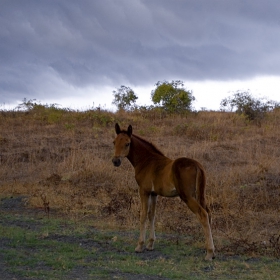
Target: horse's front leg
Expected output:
[143,217]
[151,215]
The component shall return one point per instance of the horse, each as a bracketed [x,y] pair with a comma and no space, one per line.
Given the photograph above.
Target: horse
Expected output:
[156,175]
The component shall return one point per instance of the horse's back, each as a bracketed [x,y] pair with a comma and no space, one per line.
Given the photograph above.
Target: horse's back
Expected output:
[184,163]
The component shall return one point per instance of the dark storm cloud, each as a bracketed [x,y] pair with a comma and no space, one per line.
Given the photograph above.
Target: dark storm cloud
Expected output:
[44,44]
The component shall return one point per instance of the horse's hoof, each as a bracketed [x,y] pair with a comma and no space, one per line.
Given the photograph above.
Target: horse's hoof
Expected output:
[139,249]
[210,256]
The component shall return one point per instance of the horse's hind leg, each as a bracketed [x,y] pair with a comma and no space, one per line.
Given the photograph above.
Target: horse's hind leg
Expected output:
[209,215]
[203,217]
[151,216]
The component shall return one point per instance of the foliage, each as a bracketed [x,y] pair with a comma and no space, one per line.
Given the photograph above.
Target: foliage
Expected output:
[245,104]
[172,96]
[124,98]
[33,104]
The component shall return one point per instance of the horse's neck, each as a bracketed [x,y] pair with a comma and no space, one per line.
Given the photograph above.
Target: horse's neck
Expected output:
[141,152]
[135,155]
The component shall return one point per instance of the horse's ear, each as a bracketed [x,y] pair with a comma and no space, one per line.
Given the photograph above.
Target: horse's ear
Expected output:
[117,128]
[129,130]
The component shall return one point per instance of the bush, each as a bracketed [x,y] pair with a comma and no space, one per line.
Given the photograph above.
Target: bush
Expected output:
[243,103]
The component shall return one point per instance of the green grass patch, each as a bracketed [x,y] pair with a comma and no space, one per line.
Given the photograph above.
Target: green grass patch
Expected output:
[64,249]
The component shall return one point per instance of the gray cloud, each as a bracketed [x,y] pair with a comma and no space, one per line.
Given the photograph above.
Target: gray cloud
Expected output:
[88,43]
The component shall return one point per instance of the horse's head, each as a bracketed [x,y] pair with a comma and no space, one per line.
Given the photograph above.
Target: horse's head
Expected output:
[122,144]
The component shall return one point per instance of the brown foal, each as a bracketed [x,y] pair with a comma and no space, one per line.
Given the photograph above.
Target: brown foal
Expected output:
[158,175]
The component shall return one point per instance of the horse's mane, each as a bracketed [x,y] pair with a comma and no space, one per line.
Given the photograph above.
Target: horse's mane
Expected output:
[151,145]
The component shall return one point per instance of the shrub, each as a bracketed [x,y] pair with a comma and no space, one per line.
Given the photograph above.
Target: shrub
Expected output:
[244,103]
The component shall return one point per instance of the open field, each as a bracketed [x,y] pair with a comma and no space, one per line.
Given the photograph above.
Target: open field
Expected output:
[58,163]
[35,247]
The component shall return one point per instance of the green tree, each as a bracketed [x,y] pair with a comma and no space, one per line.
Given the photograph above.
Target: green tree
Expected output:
[172,96]
[124,98]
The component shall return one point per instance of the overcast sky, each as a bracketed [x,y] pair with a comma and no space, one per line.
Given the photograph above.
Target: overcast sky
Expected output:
[75,53]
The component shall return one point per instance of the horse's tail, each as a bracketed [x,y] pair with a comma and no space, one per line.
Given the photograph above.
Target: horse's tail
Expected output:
[200,189]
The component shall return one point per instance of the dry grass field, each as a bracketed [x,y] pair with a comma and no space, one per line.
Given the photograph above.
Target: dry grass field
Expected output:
[60,160]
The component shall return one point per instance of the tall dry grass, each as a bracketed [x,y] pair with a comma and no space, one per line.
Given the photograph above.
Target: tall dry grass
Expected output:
[63,159]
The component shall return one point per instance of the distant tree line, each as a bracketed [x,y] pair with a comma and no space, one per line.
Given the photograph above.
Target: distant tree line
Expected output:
[173,98]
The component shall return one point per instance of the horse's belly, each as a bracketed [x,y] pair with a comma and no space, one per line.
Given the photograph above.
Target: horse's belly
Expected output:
[171,193]
[166,190]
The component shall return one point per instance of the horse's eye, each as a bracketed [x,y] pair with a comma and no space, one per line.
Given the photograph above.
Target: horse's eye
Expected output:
[114,142]
[127,144]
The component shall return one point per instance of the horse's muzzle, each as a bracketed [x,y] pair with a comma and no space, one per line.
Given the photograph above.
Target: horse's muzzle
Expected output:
[116,161]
